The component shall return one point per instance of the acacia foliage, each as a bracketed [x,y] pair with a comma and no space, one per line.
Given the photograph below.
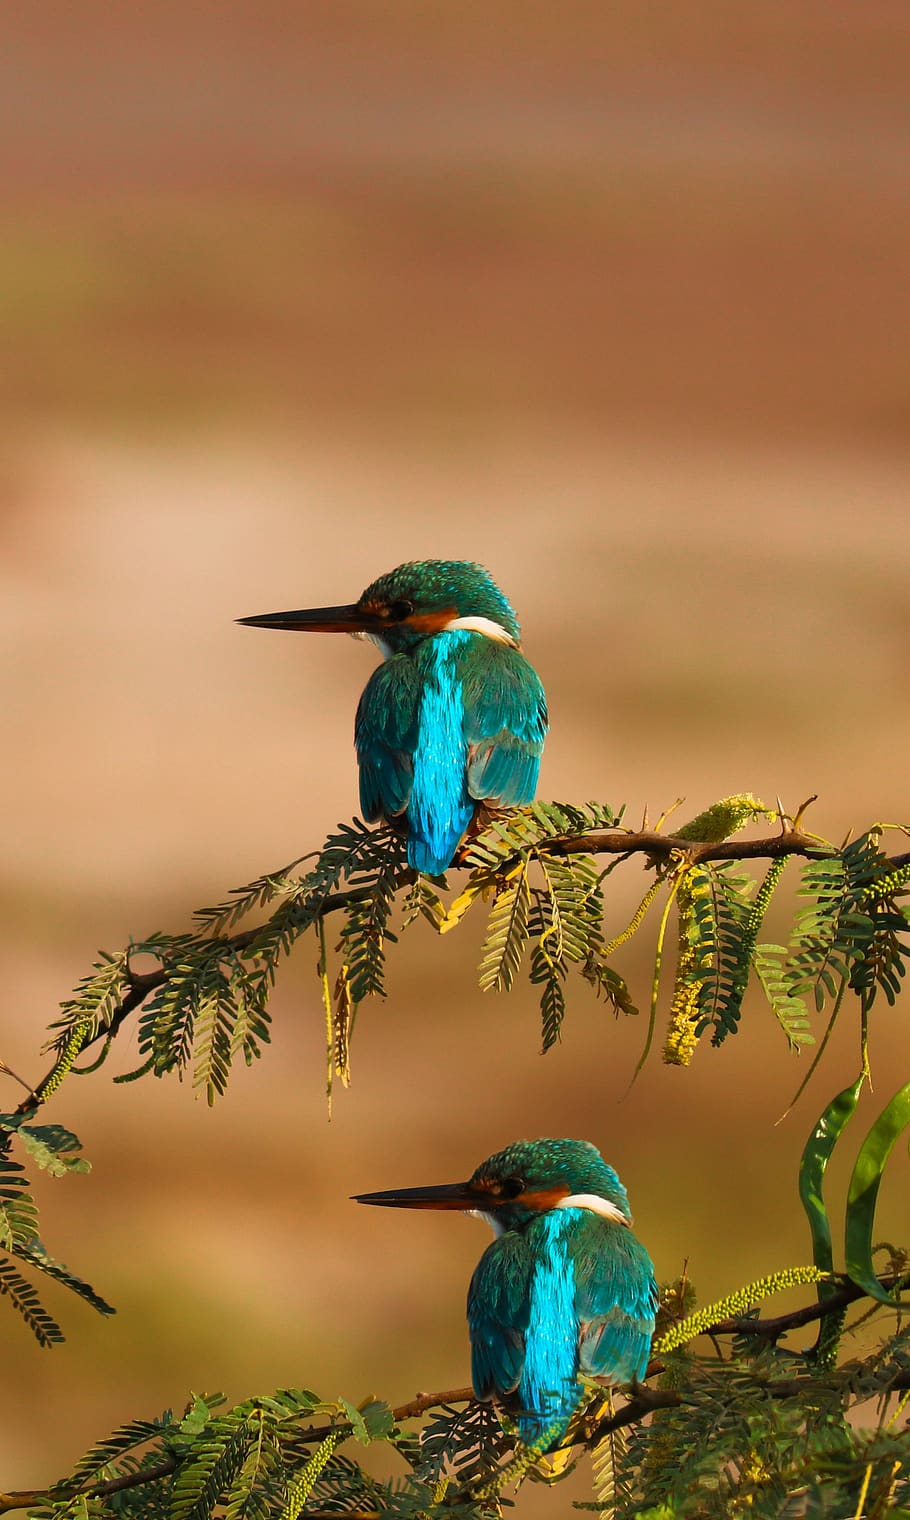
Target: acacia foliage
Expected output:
[548,904]
[742,1424]
[547,909]
[737,1423]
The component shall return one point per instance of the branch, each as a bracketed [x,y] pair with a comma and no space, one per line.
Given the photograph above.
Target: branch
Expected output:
[773,1328]
[662,846]
[645,1400]
[416,1406]
[143,983]
[656,846]
[62,1492]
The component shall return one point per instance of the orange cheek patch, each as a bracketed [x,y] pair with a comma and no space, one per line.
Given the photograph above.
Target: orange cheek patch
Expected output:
[546,1198]
[431,622]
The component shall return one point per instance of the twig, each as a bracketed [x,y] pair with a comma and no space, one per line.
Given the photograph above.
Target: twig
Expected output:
[141,984]
[416,1406]
[25,1498]
[8,1072]
[661,846]
[773,1328]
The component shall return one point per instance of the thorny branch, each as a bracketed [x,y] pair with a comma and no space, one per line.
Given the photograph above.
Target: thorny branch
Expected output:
[623,842]
[642,1402]
[141,984]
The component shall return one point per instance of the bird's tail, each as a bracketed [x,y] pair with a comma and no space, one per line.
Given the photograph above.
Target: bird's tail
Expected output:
[432,841]
[545,1429]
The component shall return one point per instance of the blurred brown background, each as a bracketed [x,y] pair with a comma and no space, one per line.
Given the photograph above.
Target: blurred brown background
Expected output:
[610,298]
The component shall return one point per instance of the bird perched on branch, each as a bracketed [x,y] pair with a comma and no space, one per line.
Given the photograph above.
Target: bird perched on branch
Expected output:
[455,716]
[564,1289]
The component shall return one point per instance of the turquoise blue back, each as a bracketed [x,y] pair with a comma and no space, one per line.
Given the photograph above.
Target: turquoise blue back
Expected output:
[458,720]
[572,1292]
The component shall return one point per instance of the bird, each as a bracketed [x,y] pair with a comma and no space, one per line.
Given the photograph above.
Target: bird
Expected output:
[565,1289]
[455,716]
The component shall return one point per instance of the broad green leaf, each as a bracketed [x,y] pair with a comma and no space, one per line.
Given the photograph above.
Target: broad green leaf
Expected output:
[862,1194]
[816,1155]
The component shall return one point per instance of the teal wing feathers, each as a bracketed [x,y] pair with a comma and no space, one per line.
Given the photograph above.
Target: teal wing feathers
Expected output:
[498,1313]
[385,735]
[615,1300]
[505,723]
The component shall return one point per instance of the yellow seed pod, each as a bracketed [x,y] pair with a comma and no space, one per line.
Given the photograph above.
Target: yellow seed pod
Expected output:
[724,818]
[734,1305]
[681,1038]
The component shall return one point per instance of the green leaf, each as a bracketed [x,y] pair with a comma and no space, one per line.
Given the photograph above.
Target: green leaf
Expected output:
[357,1422]
[26,1302]
[816,1155]
[789,1009]
[96,998]
[862,1194]
[197,1416]
[214,1461]
[51,1146]
[378,1419]
[36,1256]
[126,1438]
[371,1421]
[507,931]
[18,1213]
[260,1471]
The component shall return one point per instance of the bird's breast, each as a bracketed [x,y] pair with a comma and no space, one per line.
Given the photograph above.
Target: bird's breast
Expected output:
[551,1347]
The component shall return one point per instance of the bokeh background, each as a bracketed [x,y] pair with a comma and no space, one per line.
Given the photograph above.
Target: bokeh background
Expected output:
[611,298]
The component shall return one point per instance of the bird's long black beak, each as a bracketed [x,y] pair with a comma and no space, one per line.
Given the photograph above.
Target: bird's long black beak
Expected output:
[451,1195]
[351,619]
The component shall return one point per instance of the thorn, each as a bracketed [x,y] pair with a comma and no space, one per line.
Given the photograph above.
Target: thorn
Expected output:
[797,821]
[666,813]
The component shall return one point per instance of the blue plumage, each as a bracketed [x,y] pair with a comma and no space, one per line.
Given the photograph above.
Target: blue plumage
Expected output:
[454,718]
[568,1292]
[565,1288]
[458,720]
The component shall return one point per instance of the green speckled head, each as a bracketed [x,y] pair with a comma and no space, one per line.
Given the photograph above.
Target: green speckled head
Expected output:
[541,1166]
[418,598]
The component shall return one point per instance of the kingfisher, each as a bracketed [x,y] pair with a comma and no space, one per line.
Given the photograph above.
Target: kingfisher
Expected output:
[564,1289]
[454,719]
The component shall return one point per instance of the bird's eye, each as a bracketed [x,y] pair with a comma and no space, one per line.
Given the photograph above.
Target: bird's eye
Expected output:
[398,611]
[512,1186]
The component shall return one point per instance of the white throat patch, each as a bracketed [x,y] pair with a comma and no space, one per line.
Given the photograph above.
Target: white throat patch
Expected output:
[375,638]
[596,1204]
[483,625]
[495,1225]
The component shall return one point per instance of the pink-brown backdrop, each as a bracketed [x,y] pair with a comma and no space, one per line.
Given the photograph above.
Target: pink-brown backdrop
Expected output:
[612,299]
